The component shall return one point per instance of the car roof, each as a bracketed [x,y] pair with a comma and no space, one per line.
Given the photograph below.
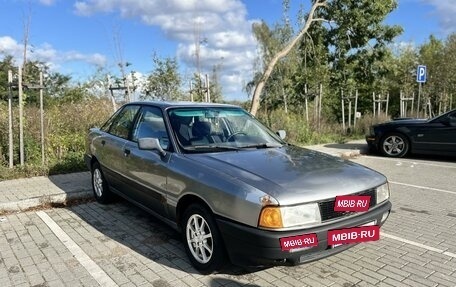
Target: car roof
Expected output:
[168,104]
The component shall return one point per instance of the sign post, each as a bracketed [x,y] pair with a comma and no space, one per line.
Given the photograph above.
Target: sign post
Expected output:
[420,78]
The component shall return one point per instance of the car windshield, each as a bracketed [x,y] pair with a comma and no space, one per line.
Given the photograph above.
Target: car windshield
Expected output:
[219,128]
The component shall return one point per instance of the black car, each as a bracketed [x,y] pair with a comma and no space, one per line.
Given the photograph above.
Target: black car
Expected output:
[399,137]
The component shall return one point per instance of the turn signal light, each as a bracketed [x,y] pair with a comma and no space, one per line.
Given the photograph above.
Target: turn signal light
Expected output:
[271,217]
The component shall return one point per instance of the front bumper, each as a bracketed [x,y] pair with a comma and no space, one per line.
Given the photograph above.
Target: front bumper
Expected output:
[249,246]
[88,161]
[372,142]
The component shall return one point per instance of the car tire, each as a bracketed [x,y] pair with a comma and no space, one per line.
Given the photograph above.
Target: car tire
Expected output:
[202,240]
[394,145]
[100,187]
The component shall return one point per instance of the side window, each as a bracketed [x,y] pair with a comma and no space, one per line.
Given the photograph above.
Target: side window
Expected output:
[151,125]
[123,122]
[107,125]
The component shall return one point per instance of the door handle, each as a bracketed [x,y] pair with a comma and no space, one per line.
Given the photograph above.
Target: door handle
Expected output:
[126,152]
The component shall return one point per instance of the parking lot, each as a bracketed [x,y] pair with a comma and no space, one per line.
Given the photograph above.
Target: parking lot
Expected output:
[120,245]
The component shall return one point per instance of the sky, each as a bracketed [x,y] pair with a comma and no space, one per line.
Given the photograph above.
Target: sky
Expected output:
[78,37]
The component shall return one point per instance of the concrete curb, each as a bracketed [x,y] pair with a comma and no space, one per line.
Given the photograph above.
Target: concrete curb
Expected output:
[45,200]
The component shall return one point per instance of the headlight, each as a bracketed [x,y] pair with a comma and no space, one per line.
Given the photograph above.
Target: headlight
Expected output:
[289,216]
[382,192]
[371,131]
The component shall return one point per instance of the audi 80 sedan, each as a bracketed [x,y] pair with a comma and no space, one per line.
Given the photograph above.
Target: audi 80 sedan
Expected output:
[234,189]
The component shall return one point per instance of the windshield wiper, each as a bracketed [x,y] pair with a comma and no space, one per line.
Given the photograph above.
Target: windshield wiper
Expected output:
[262,145]
[217,147]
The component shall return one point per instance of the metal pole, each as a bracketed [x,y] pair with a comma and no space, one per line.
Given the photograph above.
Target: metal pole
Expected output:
[418,103]
[319,105]
[379,102]
[207,90]
[21,124]
[349,111]
[42,118]
[413,103]
[387,103]
[10,120]
[373,101]
[307,109]
[306,101]
[343,111]
[356,108]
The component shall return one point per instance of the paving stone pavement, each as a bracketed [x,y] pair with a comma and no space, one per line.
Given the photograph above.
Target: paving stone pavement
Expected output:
[136,249]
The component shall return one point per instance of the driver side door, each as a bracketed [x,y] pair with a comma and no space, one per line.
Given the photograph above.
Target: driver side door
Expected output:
[148,169]
[440,134]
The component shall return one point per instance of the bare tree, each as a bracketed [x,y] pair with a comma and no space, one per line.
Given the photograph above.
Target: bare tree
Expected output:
[284,52]
[26,39]
[122,65]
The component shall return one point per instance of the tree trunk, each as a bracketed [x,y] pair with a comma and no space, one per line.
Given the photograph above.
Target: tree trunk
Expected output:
[260,85]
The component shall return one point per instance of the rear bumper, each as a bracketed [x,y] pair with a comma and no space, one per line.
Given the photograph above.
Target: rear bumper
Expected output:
[248,246]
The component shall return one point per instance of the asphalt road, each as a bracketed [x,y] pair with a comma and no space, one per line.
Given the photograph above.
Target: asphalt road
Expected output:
[120,245]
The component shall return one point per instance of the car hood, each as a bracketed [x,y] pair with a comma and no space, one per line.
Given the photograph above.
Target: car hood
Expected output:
[292,174]
[400,122]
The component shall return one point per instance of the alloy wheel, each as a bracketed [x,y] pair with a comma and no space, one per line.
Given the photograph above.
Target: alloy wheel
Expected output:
[394,145]
[199,239]
[98,182]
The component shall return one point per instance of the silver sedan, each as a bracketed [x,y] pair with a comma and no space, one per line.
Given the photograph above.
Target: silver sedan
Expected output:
[234,189]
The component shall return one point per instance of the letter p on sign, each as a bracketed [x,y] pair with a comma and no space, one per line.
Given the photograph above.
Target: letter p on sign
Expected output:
[421,74]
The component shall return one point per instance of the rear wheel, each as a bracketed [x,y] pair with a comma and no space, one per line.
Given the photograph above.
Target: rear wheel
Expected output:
[100,186]
[394,145]
[202,240]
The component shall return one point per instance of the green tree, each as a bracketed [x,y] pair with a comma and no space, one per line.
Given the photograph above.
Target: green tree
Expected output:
[6,64]
[164,83]
[350,38]
[449,70]
[358,42]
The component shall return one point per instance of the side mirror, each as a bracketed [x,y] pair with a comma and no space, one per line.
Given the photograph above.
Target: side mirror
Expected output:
[151,144]
[282,134]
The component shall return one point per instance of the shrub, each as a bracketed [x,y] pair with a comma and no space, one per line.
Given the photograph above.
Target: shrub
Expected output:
[65,129]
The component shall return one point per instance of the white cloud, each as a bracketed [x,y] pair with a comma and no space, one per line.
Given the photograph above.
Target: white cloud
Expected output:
[445,10]
[9,46]
[47,54]
[221,25]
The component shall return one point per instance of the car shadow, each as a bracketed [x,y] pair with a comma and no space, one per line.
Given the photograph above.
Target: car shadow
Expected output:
[146,235]
[72,186]
[363,148]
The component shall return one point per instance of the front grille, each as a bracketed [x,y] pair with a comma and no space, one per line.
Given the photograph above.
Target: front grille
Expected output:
[327,207]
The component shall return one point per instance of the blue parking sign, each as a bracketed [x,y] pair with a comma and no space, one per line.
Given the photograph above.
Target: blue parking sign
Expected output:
[421,74]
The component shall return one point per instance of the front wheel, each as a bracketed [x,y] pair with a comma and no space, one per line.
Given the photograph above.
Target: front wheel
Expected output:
[394,145]
[202,240]
[100,186]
